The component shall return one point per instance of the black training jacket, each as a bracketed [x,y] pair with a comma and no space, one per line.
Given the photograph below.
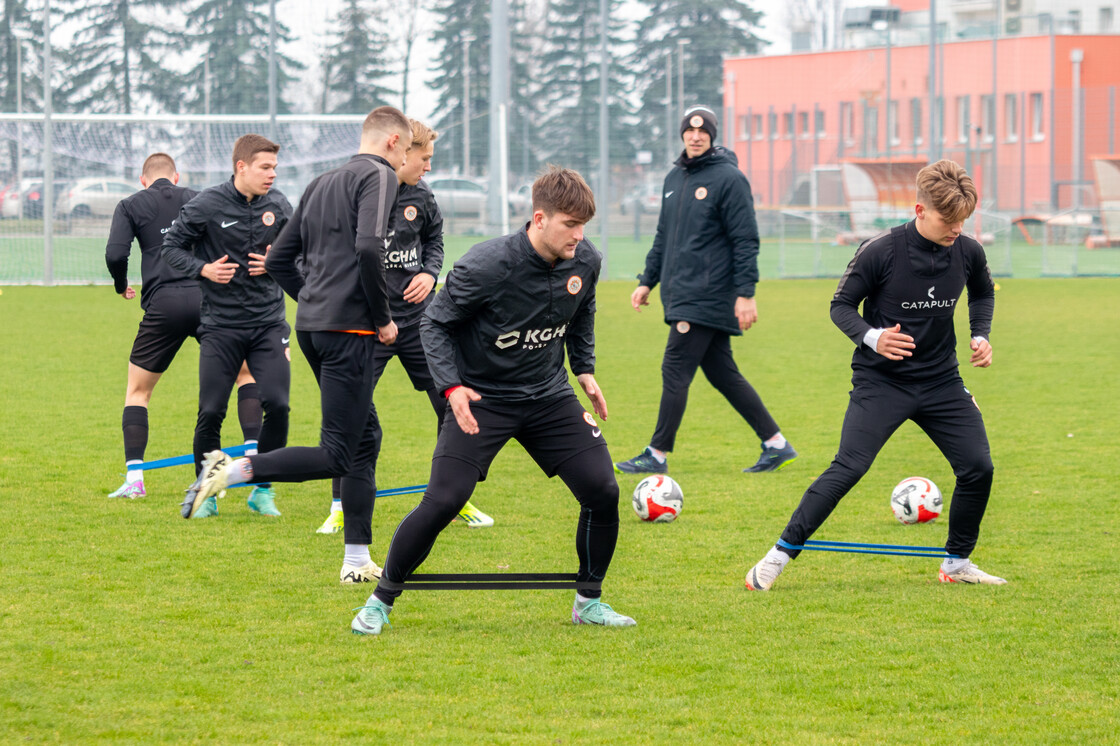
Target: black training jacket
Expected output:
[416,245]
[504,317]
[220,221]
[339,230]
[705,251]
[146,216]
[902,278]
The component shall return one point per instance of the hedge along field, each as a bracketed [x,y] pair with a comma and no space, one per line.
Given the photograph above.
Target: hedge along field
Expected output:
[124,623]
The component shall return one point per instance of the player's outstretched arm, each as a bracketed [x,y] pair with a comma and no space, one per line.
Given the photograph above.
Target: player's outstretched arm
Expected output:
[460,399]
[591,387]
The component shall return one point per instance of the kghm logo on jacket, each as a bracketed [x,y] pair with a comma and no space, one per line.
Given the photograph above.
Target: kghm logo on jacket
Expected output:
[918,305]
[402,257]
[533,339]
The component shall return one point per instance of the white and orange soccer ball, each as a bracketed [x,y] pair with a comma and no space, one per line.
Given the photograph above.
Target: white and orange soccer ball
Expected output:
[916,500]
[658,499]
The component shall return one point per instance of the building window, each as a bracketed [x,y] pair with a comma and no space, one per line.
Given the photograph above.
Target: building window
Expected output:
[1011,117]
[773,117]
[787,125]
[988,118]
[759,134]
[847,121]
[1105,21]
[894,128]
[941,134]
[818,115]
[1075,21]
[803,124]
[916,120]
[964,120]
[870,129]
[1037,130]
[745,127]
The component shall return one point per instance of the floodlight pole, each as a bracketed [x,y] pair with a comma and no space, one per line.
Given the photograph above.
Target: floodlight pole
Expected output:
[272,69]
[604,137]
[932,76]
[499,97]
[48,153]
[467,39]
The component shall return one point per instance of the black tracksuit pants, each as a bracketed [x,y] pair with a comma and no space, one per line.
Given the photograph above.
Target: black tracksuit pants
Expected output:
[948,414]
[350,436]
[710,350]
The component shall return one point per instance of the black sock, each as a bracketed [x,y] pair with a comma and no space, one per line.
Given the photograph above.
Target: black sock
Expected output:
[134,423]
[249,411]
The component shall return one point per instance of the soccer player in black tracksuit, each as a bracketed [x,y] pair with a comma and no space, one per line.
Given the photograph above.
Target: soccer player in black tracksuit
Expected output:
[413,260]
[171,309]
[495,337]
[339,229]
[705,255]
[222,236]
[905,367]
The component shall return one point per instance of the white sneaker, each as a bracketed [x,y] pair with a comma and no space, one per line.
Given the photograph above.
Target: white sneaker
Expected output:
[762,576]
[367,573]
[970,574]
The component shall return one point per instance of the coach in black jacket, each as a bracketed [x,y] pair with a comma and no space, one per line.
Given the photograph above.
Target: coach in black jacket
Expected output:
[218,237]
[705,256]
[339,229]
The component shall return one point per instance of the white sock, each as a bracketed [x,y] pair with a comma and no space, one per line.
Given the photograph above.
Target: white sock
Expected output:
[251,448]
[336,506]
[135,473]
[778,441]
[659,455]
[583,600]
[778,555]
[357,555]
[952,564]
[240,471]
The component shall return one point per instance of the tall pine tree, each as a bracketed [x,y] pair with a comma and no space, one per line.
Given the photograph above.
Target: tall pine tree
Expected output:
[358,67]
[710,30]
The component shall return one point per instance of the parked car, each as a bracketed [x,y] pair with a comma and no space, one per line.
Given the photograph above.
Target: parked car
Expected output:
[461,197]
[93,196]
[11,198]
[32,198]
[645,200]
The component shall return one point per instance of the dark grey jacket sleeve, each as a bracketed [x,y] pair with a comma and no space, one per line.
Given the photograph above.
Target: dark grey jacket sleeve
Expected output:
[183,236]
[119,246]
[856,284]
[457,302]
[431,239]
[580,337]
[281,262]
[375,205]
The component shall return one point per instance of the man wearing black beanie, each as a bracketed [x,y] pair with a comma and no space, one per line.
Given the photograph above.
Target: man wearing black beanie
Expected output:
[705,255]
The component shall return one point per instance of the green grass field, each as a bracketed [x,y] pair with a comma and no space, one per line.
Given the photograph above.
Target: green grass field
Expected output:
[123,623]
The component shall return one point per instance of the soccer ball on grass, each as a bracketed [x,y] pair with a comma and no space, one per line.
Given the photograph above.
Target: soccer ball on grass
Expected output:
[916,500]
[658,499]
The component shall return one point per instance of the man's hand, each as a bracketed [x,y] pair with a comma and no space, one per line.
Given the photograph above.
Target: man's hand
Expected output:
[220,271]
[746,312]
[893,344]
[128,293]
[594,393]
[419,288]
[981,353]
[460,400]
[256,262]
[639,298]
[387,334]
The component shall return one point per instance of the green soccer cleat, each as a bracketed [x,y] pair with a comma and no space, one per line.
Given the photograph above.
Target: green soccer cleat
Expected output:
[474,517]
[644,463]
[263,500]
[131,490]
[208,508]
[211,481]
[371,617]
[333,524]
[598,613]
[772,459]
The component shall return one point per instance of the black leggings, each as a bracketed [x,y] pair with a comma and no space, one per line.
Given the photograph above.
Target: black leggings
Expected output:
[589,475]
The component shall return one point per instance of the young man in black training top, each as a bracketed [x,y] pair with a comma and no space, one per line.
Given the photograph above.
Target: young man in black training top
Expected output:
[495,338]
[705,256]
[170,302]
[905,367]
[413,261]
[339,229]
[222,236]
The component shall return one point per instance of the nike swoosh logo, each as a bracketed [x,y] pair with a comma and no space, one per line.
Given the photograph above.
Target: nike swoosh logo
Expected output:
[226,225]
[668,194]
[596,432]
[284,340]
